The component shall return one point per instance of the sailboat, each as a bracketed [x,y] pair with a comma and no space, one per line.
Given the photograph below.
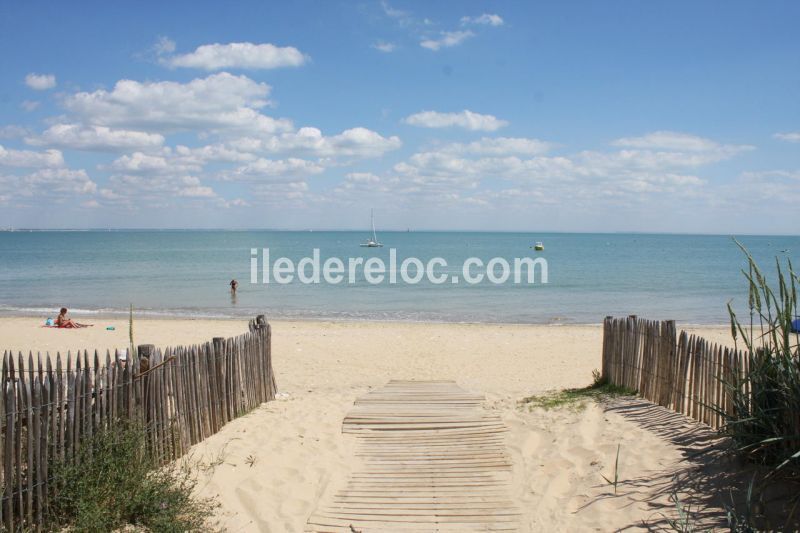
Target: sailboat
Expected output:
[373,242]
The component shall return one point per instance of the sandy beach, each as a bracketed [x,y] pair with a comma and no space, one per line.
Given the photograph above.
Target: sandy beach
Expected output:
[269,468]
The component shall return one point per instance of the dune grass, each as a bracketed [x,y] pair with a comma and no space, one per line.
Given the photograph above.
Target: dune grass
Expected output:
[576,398]
[765,425]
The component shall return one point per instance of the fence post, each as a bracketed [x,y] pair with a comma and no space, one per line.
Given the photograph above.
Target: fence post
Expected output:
[221,371]
[671,369]
[145,352]
[607,348]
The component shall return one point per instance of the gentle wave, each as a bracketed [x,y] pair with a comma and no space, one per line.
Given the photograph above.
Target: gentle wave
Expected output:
[197,314]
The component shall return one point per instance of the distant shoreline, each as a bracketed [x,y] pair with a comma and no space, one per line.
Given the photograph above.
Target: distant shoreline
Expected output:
[388,230]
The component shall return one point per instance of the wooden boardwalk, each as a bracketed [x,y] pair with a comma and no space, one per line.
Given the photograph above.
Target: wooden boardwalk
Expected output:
[429,458]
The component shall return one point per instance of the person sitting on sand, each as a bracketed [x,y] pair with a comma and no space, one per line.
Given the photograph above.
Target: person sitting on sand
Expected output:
[63,321]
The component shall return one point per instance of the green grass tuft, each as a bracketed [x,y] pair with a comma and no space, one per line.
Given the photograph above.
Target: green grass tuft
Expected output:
[576,398]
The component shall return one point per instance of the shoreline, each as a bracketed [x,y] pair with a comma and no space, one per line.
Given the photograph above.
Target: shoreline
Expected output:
[157,315]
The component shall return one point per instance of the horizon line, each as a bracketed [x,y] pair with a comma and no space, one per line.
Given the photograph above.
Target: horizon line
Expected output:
[425,230]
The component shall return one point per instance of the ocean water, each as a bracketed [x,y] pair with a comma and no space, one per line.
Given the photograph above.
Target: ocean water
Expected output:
[186,273]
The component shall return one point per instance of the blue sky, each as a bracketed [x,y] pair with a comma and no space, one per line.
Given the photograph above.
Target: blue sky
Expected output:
[570,116]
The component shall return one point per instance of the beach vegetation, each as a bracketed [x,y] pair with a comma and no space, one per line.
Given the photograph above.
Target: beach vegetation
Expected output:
[615,481]
[113,483]
[685,521]
[217,459]
[576,399]
[764,424]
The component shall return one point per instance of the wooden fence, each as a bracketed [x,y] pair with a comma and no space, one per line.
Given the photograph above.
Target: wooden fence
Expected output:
[50,406]
[682,372]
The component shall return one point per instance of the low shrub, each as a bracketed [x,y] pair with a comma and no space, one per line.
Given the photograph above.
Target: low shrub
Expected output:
[112,483]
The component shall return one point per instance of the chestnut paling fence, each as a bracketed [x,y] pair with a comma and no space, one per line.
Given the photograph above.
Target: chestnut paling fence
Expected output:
[682,372]
[181,395]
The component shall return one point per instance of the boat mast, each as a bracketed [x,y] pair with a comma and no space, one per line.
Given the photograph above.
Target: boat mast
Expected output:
[372,220]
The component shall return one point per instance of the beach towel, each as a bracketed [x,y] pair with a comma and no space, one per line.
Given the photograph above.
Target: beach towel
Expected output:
[65,327]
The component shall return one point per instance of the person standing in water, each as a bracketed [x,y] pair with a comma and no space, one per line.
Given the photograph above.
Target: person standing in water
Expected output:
[234,285]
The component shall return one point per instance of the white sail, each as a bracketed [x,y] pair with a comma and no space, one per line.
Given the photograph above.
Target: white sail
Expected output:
[373,242]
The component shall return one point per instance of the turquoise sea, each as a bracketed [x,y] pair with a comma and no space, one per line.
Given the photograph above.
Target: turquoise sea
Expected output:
[689,278]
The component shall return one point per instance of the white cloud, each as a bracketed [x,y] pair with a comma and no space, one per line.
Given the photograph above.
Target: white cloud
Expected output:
[197,191]
[164,45]
[362,177]
[547,179]
[269,169]
[219,103]
[761,176]
[178,161]
[665,148]
[792,137]
[95,138]
[771,186]
[500,146]
[40,82]
[442,166]
[281,192]
[465,119]
[447,39]
[384,46]
[485,19]
[30,158]
[365,184]
[29,105]
[461,172]
[61,180]
[392,12]
[238,55]
[12,131]
[154,188]
[140,162]
[671,140]
[211,152]
[354,142]
[236,202]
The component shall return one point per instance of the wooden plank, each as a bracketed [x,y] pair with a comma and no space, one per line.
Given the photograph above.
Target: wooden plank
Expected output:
[27,386]
[430,458]
[18,443]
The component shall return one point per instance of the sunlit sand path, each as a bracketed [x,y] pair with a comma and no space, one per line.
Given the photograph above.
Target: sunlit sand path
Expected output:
[429,458]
